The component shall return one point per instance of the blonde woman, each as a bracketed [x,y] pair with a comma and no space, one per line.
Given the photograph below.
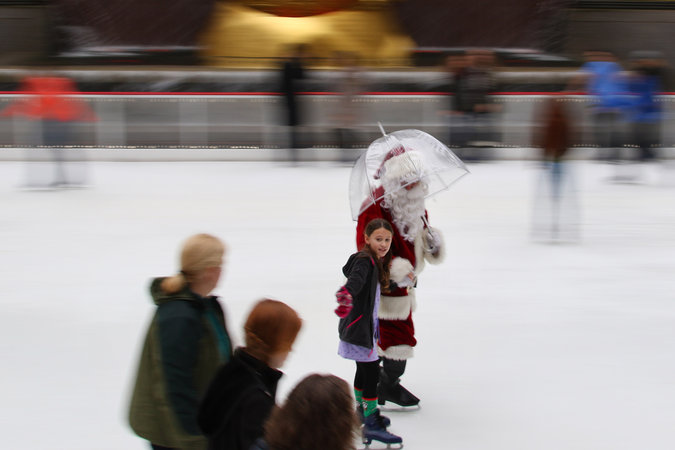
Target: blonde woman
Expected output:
[185,344]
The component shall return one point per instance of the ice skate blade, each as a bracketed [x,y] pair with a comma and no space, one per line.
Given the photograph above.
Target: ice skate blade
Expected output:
[377,445]
[394,407]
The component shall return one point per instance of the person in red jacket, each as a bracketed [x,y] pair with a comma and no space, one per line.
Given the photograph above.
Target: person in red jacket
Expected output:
[52,101]
[402,204]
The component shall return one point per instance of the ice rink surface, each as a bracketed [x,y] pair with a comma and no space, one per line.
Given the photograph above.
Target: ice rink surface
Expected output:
[523,344]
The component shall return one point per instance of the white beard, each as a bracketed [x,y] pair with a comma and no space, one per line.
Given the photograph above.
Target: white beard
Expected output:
[407,209]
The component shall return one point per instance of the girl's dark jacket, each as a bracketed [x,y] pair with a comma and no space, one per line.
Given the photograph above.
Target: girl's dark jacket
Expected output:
[185,344]
[362,279]
[238,402]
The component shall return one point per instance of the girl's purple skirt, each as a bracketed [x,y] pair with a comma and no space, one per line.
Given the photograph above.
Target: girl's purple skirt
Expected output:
[363,354]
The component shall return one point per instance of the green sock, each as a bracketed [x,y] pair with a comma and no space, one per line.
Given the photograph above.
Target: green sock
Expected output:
[369,406]
[358,395]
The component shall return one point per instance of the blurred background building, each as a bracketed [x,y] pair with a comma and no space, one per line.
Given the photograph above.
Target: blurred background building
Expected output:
[126,47]
[252,33]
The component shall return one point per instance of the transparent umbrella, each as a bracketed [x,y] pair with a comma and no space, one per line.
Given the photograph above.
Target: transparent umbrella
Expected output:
[409,156]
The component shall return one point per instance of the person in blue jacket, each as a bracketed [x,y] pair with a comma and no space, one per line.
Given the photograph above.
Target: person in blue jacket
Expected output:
[645,112]
[607,87]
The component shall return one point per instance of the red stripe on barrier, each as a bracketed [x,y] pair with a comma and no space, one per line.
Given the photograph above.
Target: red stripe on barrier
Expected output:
[232,94]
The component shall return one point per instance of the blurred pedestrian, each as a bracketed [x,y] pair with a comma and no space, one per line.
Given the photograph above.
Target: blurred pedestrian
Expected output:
[52,101]
[292,75]
[554,136]
[242,393]
[645,84]
[367,273]
[318,414]
[474,84]
[185,344]
[347,116]
[456,65]
[605,83]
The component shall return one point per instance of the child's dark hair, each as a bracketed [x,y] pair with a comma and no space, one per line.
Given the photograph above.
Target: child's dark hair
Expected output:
[382,265]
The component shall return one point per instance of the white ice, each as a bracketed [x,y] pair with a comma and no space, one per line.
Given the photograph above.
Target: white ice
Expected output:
[523,345]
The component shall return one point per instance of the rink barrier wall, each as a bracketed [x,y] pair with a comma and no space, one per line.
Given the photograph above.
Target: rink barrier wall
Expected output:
[246,126]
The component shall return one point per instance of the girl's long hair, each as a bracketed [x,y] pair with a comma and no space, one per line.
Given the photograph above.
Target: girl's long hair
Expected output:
[319,413]
[383,264]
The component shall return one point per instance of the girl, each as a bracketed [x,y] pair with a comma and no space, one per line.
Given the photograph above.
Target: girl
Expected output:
[367,272]
[242,393]
[185,344]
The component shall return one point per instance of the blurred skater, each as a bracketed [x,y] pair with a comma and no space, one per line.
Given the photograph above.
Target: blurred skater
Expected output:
[456,66]
[347,116]
[604,81]
[51,101]
[185,344]
[472,104]
[292,75]
[367,273]
[645,112]
[555,137]
[242,393]
[318,414]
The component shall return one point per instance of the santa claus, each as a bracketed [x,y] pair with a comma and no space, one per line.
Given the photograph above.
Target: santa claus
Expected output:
[401,202]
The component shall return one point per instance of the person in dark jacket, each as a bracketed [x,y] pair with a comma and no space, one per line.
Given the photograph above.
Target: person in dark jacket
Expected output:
[292,74]
[185,344]
[367,272]
[473,85]
[646,110]
[242,393]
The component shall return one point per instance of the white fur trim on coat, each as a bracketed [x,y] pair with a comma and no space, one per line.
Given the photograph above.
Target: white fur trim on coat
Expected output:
[398,352]
[397,308]
[440,255]
[399,269]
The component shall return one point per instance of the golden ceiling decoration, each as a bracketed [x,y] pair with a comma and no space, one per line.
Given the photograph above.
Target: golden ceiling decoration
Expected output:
[299,8]
[247,35]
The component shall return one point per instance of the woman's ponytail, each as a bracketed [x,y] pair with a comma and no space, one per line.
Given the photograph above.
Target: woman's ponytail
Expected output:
[174,284]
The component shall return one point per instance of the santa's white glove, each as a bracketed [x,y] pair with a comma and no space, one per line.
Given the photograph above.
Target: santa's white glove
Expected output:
[408,281]
[433,239]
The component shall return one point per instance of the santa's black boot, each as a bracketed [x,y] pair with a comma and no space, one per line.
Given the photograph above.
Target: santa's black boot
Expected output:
[389,388]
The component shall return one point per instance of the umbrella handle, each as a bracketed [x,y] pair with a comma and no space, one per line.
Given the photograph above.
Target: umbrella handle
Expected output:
[424,219]
[379,124]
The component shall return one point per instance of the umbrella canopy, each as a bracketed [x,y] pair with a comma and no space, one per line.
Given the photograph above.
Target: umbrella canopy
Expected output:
[406,157]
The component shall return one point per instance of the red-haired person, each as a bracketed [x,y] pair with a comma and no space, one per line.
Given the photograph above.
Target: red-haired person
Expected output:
[242,393]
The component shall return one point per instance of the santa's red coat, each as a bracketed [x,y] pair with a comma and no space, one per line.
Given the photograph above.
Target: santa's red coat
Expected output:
[397,337]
